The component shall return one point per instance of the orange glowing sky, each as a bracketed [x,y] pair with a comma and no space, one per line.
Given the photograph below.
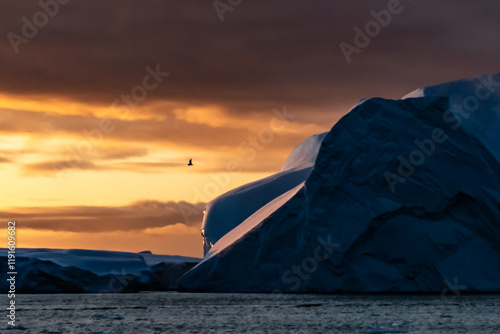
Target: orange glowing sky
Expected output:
[95,136]
[75,184]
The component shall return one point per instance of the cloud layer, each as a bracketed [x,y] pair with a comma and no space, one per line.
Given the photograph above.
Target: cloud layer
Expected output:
[263,54]
[136,216]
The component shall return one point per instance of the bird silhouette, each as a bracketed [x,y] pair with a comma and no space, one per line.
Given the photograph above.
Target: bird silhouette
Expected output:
[190,163]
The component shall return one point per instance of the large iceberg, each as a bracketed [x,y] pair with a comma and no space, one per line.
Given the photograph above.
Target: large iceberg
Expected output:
[400,196]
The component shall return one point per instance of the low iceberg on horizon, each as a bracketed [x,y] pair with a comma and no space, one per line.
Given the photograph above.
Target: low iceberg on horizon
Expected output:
[43,270]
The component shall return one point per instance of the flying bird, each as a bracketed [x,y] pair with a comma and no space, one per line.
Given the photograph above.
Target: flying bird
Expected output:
[190,163]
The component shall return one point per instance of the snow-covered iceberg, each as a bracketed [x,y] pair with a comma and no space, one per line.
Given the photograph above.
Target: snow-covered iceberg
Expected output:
[403,196]
[78,270]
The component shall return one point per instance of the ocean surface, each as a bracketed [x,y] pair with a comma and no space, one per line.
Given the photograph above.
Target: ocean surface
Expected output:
[174,312]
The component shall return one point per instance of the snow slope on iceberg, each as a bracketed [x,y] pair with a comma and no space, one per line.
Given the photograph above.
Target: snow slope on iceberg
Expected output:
[404,196]
[304,155]
[232,208]
[251,222]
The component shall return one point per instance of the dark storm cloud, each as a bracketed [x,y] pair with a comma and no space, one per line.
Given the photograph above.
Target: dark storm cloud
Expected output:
[136,216]
[265,53]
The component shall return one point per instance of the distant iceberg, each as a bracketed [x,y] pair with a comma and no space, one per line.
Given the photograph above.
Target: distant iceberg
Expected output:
[400,196]
[77,270]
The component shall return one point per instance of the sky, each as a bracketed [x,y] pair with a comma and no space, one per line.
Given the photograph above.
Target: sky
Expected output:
[102,103]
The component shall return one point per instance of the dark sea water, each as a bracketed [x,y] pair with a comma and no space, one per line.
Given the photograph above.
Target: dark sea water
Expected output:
[173,312]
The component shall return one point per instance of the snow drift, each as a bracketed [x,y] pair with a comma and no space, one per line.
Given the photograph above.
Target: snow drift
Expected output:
[403,196]
[78,270]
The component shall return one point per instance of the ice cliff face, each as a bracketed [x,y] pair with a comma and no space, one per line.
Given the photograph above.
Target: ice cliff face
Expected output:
[404,196]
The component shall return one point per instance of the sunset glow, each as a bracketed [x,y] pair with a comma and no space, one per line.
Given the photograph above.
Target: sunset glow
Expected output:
[101,111]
